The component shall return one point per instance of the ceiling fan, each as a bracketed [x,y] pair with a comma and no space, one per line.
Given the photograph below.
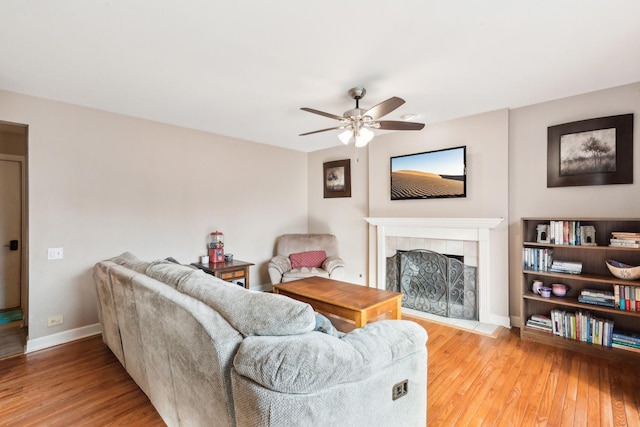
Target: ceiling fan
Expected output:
[358,122]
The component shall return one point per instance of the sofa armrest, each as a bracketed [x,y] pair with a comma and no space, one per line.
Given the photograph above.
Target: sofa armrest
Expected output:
[277,267]
[314,361]
[331,263]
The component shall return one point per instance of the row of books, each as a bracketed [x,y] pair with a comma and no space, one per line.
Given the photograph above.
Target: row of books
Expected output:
[605,298]
[623,239]
[541,259]
[537,259]
[568,233]
[626,340]
[627,297]
[582,326]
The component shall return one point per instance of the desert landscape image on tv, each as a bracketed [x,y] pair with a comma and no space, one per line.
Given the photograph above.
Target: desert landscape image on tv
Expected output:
[433,174]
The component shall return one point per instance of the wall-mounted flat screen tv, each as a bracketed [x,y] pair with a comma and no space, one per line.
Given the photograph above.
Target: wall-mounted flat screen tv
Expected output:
[430,175]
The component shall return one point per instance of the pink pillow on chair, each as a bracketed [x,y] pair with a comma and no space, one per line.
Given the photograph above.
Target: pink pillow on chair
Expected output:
[307,259]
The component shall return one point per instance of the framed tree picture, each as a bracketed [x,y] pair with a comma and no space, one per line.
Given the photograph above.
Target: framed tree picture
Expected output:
[591,152]
[337,179]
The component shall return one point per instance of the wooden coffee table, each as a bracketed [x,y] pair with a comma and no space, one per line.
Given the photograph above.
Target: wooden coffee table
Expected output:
[356,303]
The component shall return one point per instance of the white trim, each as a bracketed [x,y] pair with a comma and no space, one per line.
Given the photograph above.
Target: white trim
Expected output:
[62,337]
[437,222]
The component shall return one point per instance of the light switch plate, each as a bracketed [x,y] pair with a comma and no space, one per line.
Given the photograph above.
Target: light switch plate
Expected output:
[55,253]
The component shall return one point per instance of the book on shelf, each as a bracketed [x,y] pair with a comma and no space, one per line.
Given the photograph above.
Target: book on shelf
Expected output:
[540,323]
[625,347]
[627,297]
[598,293]
[624,239]
[570,267]
[592,301]
[625,235]
[627,336]
[624,243]
[603,298]
[626,340]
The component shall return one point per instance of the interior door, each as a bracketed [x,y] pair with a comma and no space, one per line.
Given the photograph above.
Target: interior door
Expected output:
[10,233]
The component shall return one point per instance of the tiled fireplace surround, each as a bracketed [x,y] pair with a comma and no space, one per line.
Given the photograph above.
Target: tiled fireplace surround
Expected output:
[467,237]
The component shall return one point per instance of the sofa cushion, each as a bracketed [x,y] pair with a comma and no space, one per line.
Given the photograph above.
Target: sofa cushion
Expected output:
[303,272]
[250,312]
[314,361]
[168,272]
[308,259]
[129,260]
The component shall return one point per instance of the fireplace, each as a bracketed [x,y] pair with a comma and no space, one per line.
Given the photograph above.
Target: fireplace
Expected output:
[434,283]
[468,237]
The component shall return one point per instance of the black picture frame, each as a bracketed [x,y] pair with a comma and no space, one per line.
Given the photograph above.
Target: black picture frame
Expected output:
[591,152]
[337,178]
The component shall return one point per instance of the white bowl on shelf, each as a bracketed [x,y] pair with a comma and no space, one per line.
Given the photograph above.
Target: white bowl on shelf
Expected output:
[622,270]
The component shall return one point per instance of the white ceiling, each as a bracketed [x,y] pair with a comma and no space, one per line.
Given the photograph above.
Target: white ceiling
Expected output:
[244,68]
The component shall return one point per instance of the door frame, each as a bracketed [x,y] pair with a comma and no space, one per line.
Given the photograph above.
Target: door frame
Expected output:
[24,300]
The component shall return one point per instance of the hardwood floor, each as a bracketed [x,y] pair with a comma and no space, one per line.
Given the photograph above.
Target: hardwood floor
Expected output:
[473,380]
[76,384]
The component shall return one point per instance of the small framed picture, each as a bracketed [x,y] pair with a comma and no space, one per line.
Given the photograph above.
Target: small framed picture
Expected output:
[337,179]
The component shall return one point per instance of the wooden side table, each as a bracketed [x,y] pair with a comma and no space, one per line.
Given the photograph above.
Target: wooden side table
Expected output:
[229,271]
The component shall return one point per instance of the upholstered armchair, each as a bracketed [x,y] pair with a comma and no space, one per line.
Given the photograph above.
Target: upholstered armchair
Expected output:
[305,255]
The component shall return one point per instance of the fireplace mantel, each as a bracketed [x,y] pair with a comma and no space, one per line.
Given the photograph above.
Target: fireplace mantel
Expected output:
[466,229]
[436,222]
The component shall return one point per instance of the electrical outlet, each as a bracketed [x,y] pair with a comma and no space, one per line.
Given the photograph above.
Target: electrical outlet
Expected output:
[55,320]
[55,253]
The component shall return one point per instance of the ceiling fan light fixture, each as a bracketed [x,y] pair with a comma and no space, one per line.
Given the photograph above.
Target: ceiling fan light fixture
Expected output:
[357,123]
[345,136]
[364,137]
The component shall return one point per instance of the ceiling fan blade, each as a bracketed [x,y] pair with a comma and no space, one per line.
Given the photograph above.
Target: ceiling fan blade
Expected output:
[322,130]
[322,113]
[384,108]
[397,125]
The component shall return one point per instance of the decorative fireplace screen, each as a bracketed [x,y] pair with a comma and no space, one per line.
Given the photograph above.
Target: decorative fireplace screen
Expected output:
[433,283]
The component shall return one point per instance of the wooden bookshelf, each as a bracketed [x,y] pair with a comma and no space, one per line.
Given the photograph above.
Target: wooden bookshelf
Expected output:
[594,275]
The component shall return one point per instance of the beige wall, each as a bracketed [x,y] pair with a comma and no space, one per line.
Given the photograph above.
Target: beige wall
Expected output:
[102,183]
[528,192]
[343,217]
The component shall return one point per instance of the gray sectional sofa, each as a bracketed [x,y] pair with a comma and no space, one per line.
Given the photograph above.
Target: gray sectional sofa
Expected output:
[211,353]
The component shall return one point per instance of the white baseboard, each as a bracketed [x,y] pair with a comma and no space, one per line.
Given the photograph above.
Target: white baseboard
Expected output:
[62,337]
[503,321]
